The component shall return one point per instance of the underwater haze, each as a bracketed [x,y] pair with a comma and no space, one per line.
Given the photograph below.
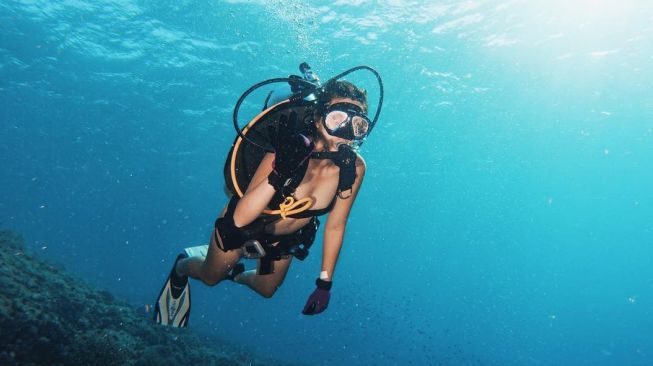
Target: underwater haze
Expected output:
[506,216]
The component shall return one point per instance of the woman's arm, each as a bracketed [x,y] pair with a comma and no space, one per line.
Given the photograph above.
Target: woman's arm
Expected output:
[334,233]
[291,151]
[334,230]
[258,194]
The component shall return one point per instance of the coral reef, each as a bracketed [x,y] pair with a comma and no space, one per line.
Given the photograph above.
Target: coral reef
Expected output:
[48,317]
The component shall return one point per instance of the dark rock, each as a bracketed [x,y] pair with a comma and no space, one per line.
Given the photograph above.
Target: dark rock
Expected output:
[55,319]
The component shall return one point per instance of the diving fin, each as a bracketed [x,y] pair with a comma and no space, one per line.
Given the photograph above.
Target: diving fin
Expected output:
[173,305]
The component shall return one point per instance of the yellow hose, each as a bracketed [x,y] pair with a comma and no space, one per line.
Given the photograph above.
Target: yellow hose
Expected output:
[290,206]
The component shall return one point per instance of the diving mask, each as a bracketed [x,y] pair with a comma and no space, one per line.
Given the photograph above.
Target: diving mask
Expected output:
[346,120]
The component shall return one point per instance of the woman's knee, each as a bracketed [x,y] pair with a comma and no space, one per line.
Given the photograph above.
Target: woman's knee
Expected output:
[211,278]
[211,281]
[217,265]
[268,292]
[267,285]
[269,289]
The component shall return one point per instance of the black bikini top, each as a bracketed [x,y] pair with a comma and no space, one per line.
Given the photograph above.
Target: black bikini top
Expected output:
[345,159]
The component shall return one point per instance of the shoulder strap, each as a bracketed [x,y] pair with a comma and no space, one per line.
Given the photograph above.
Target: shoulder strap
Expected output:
[345,159]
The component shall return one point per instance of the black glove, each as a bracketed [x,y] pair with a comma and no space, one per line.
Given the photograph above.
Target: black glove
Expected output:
[318,301]
[292,151]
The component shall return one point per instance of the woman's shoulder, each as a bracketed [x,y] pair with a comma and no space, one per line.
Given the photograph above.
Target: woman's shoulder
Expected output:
[361,166]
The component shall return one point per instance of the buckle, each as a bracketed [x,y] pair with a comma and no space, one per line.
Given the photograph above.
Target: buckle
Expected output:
[253,249]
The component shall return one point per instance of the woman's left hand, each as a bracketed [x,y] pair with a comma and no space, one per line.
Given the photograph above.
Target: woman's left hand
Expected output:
[319,299]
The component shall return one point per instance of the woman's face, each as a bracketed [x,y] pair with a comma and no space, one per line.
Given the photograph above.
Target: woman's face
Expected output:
[332,142]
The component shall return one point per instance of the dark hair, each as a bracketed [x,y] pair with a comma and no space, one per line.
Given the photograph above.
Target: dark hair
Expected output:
[342,89]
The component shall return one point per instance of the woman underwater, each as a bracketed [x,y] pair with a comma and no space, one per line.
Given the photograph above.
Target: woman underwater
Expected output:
[313,170]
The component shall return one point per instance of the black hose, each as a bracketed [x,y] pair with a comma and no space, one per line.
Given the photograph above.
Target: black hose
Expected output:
[310,88]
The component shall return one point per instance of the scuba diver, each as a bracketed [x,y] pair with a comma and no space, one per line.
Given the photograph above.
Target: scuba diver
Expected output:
[295,161]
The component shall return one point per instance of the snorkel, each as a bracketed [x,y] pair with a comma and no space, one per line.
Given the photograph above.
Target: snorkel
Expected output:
[304,91]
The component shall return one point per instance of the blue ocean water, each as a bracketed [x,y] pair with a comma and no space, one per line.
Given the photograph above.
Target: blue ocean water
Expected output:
[506,216]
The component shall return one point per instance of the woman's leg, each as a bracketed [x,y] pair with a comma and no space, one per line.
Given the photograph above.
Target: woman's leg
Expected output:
[210,269]
[266,285]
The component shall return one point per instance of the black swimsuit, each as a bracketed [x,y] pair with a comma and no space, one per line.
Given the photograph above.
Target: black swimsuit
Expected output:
[314,213]
[279,197]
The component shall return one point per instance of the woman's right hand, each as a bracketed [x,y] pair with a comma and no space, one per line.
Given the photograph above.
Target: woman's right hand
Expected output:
[292,150]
